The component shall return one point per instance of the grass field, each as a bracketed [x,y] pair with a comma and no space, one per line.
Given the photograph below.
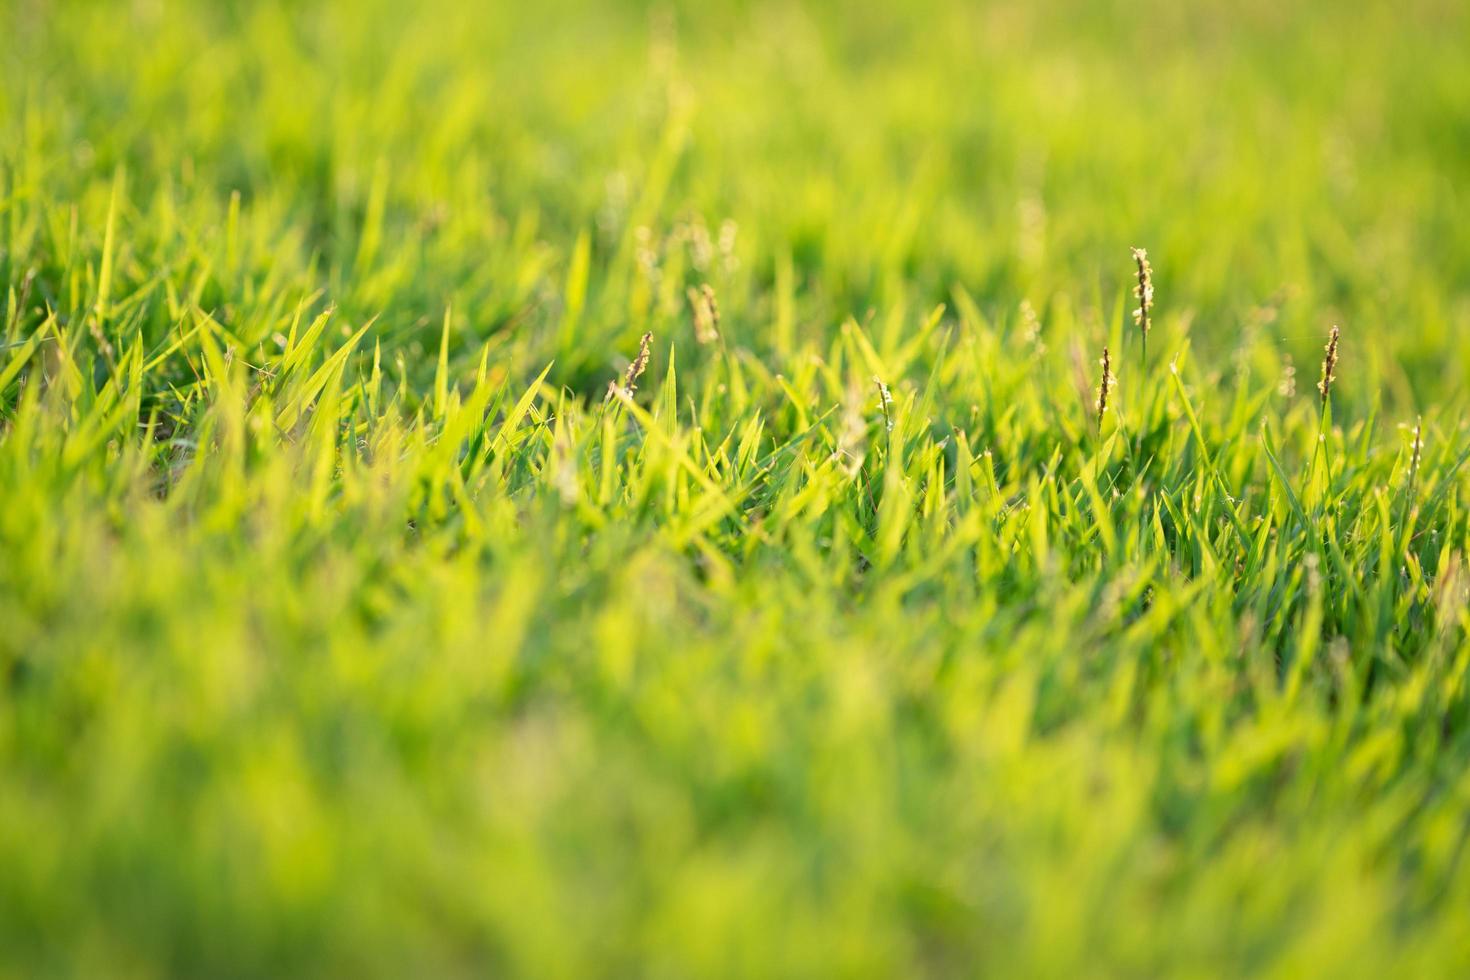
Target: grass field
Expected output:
[369,605]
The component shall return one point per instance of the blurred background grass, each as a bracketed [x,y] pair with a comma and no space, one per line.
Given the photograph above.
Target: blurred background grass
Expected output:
[1288,165]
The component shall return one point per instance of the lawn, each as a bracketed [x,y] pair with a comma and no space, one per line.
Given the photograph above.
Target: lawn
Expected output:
[618,489]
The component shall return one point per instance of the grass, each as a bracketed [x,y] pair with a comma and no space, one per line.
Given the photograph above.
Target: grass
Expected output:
[374,601]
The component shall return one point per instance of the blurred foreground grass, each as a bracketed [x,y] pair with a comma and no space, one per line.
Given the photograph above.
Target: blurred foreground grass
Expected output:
[349,624]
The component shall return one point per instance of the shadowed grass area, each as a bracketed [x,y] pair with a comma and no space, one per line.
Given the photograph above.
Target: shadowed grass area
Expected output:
[372,602]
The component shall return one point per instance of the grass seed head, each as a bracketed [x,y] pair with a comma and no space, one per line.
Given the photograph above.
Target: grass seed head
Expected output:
[706,314]
[1105,386]
[640,363]
[1329,366]
[885,399]
[1031,327]
[714,308]
[636,367]
[1144,290]
[1286,388]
